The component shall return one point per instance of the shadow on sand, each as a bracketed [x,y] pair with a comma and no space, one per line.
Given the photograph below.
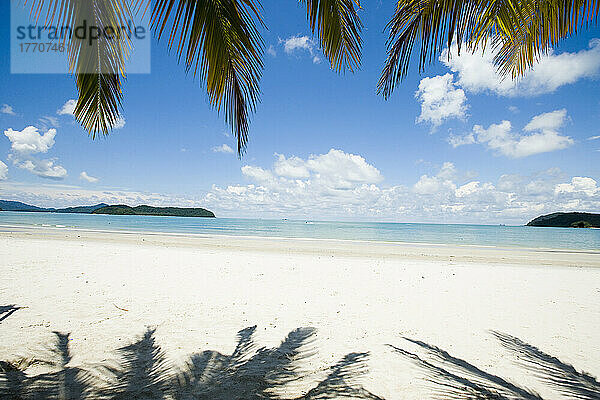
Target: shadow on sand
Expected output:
[7,311]
[453,378]
[143,372]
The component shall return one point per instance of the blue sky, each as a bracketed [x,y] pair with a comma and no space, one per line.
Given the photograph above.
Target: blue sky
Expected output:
[454,144]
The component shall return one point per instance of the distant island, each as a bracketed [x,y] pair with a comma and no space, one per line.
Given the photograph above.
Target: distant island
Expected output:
[148,210]
[103,208]
[567,220]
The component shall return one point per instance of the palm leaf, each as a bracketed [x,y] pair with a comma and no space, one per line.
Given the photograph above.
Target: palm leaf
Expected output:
[521,31]
[98,65]
[339,28]
[219,41]
[540,26]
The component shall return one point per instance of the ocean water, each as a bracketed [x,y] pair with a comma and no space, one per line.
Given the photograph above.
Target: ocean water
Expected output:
[476,235]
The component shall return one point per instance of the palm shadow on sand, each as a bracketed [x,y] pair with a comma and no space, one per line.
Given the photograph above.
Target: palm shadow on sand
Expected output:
[64,382]
[7,311]
[453,378]
[142,371]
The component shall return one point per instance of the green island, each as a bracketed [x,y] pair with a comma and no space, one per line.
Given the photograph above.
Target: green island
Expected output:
[567,220]
[148,210]
[103,208]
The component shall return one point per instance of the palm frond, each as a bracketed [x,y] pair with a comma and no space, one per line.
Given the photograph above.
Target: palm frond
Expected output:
[520,31]
[339,28]
[98,64]
[539,26]
[220,42]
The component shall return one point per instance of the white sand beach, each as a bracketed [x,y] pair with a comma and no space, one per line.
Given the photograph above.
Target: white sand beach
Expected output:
[199,291]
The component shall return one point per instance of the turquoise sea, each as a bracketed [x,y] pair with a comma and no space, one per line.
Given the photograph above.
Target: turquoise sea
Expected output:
[477,235]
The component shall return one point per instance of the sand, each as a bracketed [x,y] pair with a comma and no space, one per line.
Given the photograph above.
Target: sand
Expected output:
[105,289]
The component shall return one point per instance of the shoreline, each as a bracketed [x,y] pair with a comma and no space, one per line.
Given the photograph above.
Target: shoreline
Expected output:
[321,247]
[214,236]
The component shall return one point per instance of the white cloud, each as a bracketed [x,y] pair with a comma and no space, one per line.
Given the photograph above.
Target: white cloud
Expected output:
[467,189]
[333,171]
[258,174]
[439,183]
[293,167]
[271,51]
[6,109]
[26,143]
[3,171]
[29,140]
[342,169]
[461,140]
[543,136]
[593,138]
[84,175]
[443,195]
[440,100]
[298,43]
[224,148]
[578,184]
[119,123]
[42,168]
[477,73]
[60,195]
[68,108]
[547,121]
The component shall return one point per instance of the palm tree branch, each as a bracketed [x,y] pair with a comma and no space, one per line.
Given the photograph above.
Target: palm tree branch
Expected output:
[98,64]
[220,42]
[339,28]
[520,31]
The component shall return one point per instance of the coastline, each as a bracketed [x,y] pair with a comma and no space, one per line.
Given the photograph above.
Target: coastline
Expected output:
[300,244]
[105,289]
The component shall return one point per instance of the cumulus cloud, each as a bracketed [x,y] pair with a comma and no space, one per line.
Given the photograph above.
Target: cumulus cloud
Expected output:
[223,149]
[84,176]
[541,136]
[26,143]
[42,168]
[6,109]
[547,121]
[3,171]
[438,183]
[271,51]
[333,171]
[258,174]
[293,167]
[477,73]
[444,195]
[30,141]
[295,189]
[578,184]
[342,170]
[68,108]
[295,44]
[440,100]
